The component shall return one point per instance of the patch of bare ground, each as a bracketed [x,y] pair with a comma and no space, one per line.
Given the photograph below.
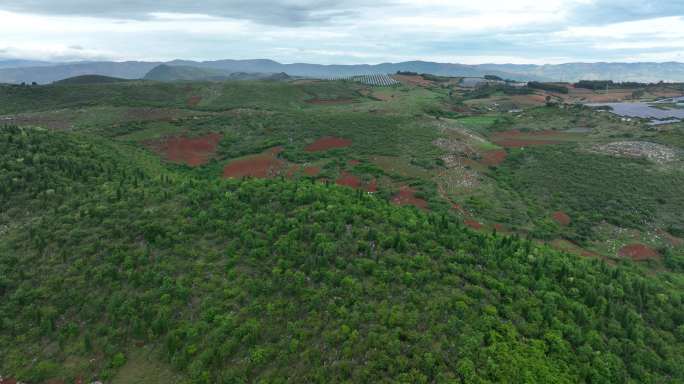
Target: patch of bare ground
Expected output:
[474,224]
[264,165]
[406,196]
[638,252]
[657,153]
[415,80]
[561,218]
[192,151]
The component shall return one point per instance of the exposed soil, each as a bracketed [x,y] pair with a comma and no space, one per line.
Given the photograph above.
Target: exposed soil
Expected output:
[329,101]
[407,196]
[372,186]
[474,224]
[193,101]
[561,218]
[412,80]
[493,158]
[326,143]
[293,170]
[192,151]
[312,171]
[353,163]
[8,380]
[348,180]
[638,252]
[264,165]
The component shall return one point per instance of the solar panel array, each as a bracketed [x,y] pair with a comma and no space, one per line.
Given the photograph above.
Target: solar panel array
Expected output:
[378,80]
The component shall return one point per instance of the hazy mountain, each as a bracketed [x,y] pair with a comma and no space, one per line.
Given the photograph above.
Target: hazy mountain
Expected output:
[571,72]
[49,74]
[165,72]
[17,63]
[646,72]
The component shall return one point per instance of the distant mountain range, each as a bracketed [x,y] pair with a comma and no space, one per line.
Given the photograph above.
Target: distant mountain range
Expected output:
[17,71]
[166,72]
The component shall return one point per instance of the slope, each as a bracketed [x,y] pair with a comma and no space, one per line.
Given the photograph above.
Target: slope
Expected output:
[107,251]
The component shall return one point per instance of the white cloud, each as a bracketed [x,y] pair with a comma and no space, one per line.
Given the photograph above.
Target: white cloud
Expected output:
[347,31]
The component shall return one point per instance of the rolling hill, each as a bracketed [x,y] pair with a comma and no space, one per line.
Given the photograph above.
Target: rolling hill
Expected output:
[330,231]
[167,72]
[644,72]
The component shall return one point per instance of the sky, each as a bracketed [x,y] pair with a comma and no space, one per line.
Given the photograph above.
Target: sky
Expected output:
[345,31]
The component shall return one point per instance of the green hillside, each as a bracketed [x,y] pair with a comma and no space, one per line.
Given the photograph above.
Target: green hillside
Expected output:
[129,254]
[91,79]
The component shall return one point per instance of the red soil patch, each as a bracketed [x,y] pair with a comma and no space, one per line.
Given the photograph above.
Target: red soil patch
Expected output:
[493,158]
[638,252]
[329,101]
[561,218]
[460,209]
[473,224]
[293,170]
[8,380]
[406,196]
[325,143]
[353,163]
[192,151]
[413,80]
[500,227]
[348,180]
[263,166]
[372,186]
[312,171]
[193,101]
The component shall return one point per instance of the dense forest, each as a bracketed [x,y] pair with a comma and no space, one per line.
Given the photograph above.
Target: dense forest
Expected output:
[105,249]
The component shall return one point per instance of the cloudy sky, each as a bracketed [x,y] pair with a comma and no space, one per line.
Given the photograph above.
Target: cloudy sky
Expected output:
[345,31]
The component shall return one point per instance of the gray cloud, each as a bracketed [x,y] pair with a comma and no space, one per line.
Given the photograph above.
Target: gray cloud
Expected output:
[277,12]
[614,11]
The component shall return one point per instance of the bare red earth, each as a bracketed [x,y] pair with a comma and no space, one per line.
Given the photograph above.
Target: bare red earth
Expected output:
[325,143]
[372,186]
[348,180]
[472,224]
[353,163]
[638,252]
[263,166]
[406,196]
[8,380]
[192,151]
[561,218]
[293,170]
[193,101]
[312,171]
[493,158]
